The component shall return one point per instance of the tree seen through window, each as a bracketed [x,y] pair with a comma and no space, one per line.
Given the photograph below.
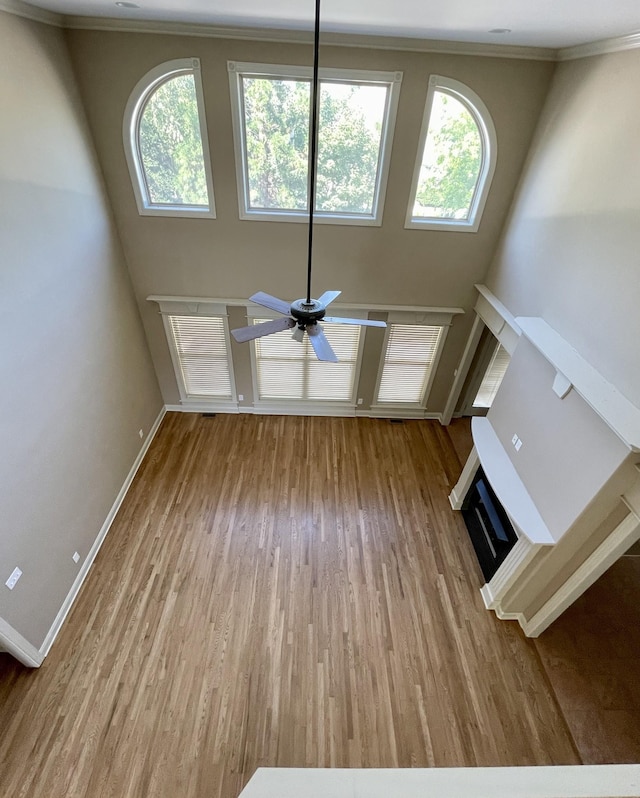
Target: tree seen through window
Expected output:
[276,129]
[451,161]
[171,145]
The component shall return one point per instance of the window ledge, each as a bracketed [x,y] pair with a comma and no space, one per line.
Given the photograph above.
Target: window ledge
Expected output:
[303,218]
[455,225]
[188,212]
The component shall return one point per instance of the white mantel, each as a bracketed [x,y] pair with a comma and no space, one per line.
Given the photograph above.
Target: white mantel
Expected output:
[507,485]
[605,399]
[575,464]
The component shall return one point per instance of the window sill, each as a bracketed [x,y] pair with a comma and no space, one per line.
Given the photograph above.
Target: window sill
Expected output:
[453,226]
[178,212]
[302,217]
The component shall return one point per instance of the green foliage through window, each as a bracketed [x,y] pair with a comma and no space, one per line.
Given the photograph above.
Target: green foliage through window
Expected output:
[276,129]
[171,145]
[451,161]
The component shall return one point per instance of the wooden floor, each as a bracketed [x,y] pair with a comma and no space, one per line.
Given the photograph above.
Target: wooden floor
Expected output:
[278,591]
[592,656]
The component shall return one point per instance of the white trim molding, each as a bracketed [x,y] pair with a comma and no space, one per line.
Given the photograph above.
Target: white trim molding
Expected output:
[200,305]
[12,642]
[335,39]
[462,486]
[623,536]
[602,47]
[389,81]
[490,312]
[560,781]
[489,155]
[143,91]
[620,415]
[511,569]
[498,318]
[35,13]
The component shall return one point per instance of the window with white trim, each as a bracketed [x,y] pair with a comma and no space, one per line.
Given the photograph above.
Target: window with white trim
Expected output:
[289,370]
[408,365]
[200,350]
[166,143]
[271,109]
[456,159]
[492,377]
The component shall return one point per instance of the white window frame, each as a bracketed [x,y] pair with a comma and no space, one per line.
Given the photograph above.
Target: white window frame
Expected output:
[442,320]
[331,407]
[206,310]
[143,90]
[489,143]
[238,70]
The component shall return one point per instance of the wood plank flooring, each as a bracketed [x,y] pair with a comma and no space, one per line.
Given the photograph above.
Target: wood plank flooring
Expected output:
[278,591]
[592,656]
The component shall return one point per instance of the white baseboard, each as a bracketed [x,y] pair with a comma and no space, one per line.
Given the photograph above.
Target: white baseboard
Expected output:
[337,410]
[623,536]
[19,647]
[86,565]
[204,407]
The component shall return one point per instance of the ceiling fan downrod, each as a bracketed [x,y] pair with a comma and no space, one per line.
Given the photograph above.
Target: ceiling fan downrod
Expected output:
[313,141]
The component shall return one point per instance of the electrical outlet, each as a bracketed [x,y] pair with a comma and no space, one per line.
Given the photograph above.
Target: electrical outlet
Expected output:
[11,581]
[518,445]
[359,401]
[76,557]
[241,397]
[140,433]
[514,440]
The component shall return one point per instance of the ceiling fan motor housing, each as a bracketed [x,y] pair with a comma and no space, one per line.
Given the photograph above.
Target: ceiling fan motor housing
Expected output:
[307,312]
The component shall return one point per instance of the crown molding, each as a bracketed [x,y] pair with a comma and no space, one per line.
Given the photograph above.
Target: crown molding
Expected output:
[35,13]
[616,45]
[374,42]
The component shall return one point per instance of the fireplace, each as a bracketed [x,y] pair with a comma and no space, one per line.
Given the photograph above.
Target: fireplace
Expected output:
[489,527]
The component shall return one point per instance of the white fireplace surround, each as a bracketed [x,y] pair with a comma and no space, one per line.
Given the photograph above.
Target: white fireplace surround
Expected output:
[534,534]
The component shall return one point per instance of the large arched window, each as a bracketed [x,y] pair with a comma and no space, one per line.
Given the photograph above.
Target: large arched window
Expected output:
[166,144]
[456,159]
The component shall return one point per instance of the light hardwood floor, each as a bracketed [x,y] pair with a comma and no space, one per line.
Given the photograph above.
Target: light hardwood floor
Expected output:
[278,591]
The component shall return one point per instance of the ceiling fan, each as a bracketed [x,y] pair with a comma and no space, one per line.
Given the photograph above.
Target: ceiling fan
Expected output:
[304,315]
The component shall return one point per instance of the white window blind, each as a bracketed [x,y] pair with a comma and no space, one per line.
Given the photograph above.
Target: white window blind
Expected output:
[201,347]
[492,377]
[287,369]
[408,362]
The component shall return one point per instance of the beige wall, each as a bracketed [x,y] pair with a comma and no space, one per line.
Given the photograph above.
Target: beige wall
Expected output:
[227,257]
[568,452]
[570,253]
[77,380]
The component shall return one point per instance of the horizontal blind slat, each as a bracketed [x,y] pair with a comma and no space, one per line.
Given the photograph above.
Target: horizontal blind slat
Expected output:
[287,369]
[492,377]
[408,361]
[201,346]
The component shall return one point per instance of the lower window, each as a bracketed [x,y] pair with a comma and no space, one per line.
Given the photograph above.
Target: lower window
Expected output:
[201,355]
[409,359]
[286,369]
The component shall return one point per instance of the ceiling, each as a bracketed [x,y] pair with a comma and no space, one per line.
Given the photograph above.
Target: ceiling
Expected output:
[539,23]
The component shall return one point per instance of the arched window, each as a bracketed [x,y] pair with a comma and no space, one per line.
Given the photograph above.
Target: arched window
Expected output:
[456,159]
[166,144]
